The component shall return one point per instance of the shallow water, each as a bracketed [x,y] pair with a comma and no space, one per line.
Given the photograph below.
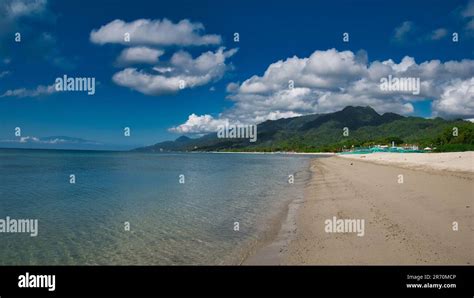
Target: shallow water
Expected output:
[171,223]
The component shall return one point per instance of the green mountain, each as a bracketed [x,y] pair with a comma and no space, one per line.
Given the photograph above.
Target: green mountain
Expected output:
[324,133]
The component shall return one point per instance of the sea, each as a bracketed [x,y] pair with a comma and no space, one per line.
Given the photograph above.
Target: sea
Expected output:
[129,208]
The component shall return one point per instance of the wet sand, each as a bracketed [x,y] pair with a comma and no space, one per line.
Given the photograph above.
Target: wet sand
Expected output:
[405,223]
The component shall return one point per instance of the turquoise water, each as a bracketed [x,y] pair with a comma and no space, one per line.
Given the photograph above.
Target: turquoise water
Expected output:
[170,223]
[375,149]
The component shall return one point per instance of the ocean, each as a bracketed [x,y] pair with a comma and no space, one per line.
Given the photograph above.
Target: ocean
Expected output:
[128,208]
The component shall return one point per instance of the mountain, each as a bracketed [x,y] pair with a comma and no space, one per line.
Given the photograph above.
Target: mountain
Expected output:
[64,139]
[353,117]
[52,142]
[324,132]
[183,139]
[177,145]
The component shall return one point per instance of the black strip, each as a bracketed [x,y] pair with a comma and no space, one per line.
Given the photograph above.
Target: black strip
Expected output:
[288,281]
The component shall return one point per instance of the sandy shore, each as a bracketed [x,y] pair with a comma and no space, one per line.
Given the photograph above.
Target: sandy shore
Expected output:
[458,162]
[405,223]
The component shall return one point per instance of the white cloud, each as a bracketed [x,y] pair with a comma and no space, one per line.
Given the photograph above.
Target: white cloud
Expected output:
[403,30]
[29,139]
[209,63]
[275,115]
[49,140]
[23,92]
[468,11]
[438,34]
[162,69]
[457,99]
[199,124]
[18,8]
[467,14]
[330,80]
[154,32]
[231,87]
[139,55]
[4,73]
[181,72]
[184,72]
[323,70]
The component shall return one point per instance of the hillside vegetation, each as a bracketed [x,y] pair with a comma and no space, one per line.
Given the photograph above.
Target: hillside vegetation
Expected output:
[324,133]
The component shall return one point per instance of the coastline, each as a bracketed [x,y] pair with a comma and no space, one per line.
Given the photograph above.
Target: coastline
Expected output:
[270,251]
[276,152]
[282,227]
[409,223]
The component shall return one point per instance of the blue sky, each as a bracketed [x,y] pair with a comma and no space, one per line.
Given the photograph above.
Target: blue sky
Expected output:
[82,39]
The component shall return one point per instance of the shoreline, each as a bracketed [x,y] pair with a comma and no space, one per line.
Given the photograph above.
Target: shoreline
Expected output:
[268,250]
[275,153]
[412,226]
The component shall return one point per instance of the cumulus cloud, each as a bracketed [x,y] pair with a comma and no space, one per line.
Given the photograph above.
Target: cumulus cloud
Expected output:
[154,32]
[41,90]
[330,80]
[183,72]
[457,99]
[139,55]
[199,125]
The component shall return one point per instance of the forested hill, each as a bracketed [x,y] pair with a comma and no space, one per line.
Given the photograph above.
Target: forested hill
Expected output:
[324,132]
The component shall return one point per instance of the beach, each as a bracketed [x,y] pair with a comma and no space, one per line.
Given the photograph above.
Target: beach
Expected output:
[452,161]
[417,209]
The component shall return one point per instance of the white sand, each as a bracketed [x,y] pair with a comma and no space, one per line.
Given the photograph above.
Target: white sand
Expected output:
[452,161]
[408,223]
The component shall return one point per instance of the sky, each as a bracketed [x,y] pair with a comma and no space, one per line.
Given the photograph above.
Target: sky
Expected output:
[171,68]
